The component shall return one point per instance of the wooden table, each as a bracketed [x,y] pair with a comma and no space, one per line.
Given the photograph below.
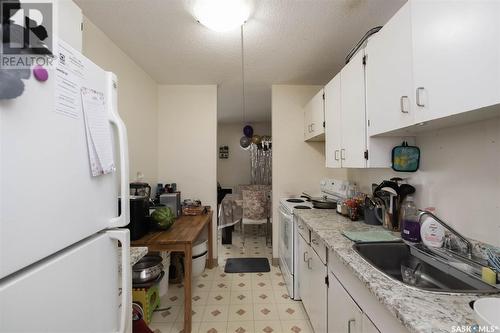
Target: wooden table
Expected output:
[180,238]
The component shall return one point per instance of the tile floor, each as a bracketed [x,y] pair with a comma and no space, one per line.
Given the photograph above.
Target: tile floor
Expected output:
[239,303]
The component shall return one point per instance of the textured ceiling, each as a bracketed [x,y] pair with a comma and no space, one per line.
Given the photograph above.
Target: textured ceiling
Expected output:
[286,42]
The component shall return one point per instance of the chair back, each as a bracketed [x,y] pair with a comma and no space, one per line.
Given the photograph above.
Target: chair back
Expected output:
[255,204]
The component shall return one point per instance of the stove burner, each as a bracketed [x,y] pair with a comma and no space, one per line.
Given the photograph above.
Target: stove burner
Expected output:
[302,207]
[295,200]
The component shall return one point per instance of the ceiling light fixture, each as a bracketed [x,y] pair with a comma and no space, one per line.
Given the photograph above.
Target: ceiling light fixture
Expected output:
[221,15]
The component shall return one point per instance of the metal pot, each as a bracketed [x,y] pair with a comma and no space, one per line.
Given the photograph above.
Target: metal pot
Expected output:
[147,269]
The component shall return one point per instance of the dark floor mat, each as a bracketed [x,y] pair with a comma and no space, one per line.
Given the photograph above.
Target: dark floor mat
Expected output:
[247,265]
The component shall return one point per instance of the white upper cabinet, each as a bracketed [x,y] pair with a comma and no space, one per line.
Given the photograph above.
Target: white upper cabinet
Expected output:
[456,56]
[389,87]
[314,117]
[353,117]
[333,126]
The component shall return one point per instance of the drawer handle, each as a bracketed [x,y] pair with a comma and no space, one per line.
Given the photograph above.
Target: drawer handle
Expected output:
[403,108]
[337,155]
[305,255]
[419,91]
[349,325]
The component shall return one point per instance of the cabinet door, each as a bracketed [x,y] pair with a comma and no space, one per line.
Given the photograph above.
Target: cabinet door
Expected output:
[389,81]
[317,311]
[456,56]
[367,325]
[333,134]
[344,316]
[314,112]
[318,114]
[307,121]
[353,113]
[304,276]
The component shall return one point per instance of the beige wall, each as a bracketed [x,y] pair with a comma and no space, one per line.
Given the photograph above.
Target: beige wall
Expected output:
[236,169]
[137,99]
[459,175]
[187,132]
[297,165]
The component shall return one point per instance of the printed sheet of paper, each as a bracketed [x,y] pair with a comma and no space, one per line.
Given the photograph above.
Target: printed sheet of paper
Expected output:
[98,132]
[70,75]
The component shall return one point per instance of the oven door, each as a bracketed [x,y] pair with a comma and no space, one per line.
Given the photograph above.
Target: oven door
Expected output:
[286,253]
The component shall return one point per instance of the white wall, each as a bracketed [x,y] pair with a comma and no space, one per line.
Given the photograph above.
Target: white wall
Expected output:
[297,165]
[236,169]
[137,99]
[459,175]
[187,132]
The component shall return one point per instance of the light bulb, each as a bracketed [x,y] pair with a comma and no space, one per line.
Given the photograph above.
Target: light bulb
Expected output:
[221,15]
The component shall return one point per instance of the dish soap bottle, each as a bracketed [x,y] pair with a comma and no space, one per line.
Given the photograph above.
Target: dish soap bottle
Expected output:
[410,226]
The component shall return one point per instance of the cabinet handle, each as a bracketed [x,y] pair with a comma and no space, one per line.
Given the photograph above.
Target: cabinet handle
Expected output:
[342,154]
[349,324]
[305,255]
[309,263]
[312,127]
[419,102]
[403,109]
[337,155]
[314,241]
[301,227]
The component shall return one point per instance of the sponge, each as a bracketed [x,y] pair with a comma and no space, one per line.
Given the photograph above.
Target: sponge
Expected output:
[488,275]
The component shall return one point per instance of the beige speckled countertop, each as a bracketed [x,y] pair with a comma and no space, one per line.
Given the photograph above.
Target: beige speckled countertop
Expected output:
[419,311]
[136,253]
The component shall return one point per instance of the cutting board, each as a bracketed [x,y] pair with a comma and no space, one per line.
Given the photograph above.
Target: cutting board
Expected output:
[371,236]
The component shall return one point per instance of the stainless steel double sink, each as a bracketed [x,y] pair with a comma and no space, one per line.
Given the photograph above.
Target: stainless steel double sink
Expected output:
[416,266]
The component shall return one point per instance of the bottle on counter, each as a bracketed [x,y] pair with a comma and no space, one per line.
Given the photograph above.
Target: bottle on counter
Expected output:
[410,226]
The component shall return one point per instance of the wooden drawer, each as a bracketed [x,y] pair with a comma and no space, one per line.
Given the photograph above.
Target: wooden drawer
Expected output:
[319,246]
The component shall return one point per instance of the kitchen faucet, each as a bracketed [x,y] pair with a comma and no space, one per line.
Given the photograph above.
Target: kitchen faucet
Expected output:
[453,231]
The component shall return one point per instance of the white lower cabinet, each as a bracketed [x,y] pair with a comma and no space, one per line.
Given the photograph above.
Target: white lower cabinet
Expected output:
[344,315]
[367,325]
[313,288]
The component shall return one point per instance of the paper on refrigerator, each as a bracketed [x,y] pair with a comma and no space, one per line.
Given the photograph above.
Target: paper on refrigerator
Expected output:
[98,132]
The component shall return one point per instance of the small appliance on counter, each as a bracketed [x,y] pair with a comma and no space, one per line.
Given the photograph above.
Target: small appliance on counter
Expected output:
[140,189]
[172,201]
[139,216]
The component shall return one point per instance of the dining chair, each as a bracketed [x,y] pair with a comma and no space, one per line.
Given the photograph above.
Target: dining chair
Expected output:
[255,210]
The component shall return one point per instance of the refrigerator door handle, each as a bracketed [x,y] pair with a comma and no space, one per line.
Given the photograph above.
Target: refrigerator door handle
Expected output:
[123,235]
[123,219]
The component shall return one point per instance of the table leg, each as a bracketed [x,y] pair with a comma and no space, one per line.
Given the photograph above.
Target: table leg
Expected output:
[210,243]
[188,264]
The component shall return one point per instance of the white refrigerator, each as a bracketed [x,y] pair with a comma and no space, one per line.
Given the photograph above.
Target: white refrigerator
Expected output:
[59,237]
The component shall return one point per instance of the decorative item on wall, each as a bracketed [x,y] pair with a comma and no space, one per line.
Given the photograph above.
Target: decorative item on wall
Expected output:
[405,158]
[245,142]
[223,152]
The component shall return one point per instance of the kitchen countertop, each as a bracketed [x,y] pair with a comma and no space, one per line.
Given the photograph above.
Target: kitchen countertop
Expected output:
[136,253]
[419,311]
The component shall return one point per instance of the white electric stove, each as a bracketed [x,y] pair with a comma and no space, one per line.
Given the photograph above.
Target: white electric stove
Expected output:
[289,236]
